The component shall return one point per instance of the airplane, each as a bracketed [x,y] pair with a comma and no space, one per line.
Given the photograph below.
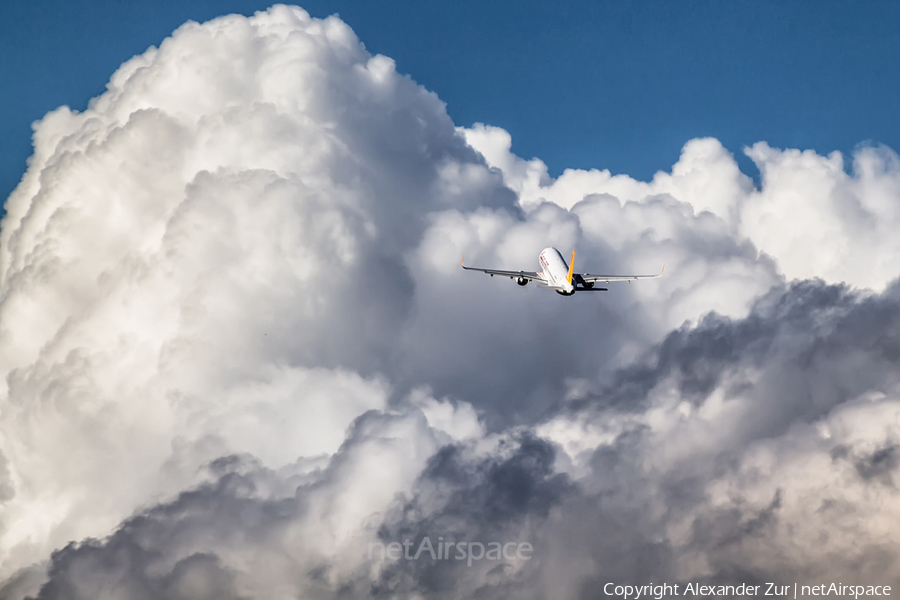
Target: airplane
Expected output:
[556,275]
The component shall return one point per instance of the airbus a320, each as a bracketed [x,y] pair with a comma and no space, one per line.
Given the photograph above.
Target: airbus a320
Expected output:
[556,275]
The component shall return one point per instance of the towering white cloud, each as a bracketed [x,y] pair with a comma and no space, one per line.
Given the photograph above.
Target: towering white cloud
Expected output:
[237,348]
[210,259]
[811,215]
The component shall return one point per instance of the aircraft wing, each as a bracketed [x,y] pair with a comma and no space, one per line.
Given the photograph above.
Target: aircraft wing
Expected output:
[530,275]
[591,278]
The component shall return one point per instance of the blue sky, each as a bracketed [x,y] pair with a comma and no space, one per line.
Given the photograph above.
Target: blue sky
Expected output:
[618,85]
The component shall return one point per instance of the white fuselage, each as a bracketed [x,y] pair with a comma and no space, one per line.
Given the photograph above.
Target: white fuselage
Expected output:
[555,271]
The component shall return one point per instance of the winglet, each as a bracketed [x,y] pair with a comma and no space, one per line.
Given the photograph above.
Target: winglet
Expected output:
[663,270]
[571,268]
[462,263]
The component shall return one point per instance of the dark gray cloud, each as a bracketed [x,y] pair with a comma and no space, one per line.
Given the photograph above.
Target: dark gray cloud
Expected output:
[784,384]
[613,523]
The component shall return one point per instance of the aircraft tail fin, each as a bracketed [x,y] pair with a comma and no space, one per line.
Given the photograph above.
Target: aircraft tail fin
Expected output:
[571,268]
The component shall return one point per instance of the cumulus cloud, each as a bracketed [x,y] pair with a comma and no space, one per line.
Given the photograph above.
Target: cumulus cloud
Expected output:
[757,448]
[810,214]
[237,350]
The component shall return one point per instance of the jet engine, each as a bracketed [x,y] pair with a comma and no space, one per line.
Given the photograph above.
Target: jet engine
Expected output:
[522,280]
[585,284]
